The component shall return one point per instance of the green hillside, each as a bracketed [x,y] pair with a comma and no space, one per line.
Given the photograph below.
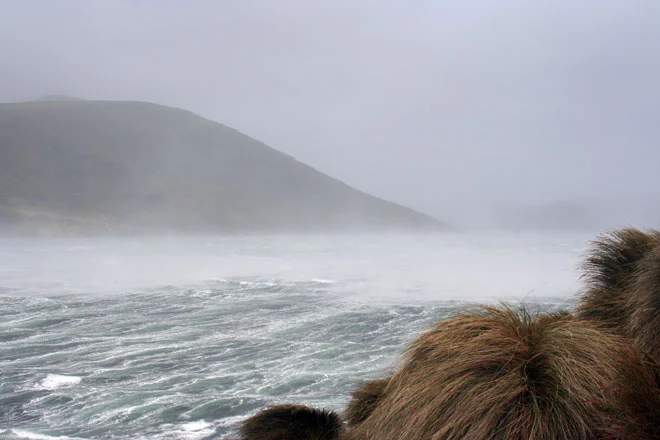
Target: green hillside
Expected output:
[70,167]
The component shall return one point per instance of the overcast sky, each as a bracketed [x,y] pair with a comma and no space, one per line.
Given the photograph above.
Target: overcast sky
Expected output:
[434,104]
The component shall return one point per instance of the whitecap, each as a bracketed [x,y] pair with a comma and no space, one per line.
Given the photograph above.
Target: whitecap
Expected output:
[255,283]
[195,426]
[21,434]
[196,430]
[54,381]
[322,281]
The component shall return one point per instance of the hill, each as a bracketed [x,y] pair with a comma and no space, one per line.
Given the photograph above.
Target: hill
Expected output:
[78,166]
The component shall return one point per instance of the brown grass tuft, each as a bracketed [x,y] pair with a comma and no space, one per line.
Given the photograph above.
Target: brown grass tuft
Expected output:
[364,400]
[291,422]
[500,373]
[643,304]
[636,411]
[623,288]
[609,271]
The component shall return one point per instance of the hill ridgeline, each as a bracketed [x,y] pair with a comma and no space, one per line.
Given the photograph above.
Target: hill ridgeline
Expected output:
[86,167]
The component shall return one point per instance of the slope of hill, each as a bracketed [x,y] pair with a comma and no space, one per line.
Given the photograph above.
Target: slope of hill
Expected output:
[106,166]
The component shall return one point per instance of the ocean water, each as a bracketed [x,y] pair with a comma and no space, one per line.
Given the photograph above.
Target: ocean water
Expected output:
[181,338]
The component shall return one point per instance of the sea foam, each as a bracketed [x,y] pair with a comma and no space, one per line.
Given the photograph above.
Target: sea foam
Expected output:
[54,381]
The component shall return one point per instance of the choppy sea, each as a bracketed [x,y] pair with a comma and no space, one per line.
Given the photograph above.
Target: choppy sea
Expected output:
[182,337]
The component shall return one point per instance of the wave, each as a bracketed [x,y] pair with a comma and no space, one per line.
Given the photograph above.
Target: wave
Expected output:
[55,381]
[28,435]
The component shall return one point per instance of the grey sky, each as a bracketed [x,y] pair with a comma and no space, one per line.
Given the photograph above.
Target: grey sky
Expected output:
[437,104]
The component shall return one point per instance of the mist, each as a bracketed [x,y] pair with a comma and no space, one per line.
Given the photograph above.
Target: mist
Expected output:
[373,269]
[185,337]
[478,113]
[208,208]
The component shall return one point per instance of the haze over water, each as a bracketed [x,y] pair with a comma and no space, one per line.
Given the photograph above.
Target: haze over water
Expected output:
[511,115]
[160,338]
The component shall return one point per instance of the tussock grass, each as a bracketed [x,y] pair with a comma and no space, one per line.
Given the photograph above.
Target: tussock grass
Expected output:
[500,373]
[636,410]
[609,271]
[622,272]
[291,422]
[364,400]
[643,305]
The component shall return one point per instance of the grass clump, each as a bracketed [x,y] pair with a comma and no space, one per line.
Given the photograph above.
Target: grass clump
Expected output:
[500,373]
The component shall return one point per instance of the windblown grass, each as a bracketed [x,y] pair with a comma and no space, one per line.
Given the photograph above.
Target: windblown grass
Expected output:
[636,409]
[643,304]
[500,373]
[364,400]
[291,422]
[609,272]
